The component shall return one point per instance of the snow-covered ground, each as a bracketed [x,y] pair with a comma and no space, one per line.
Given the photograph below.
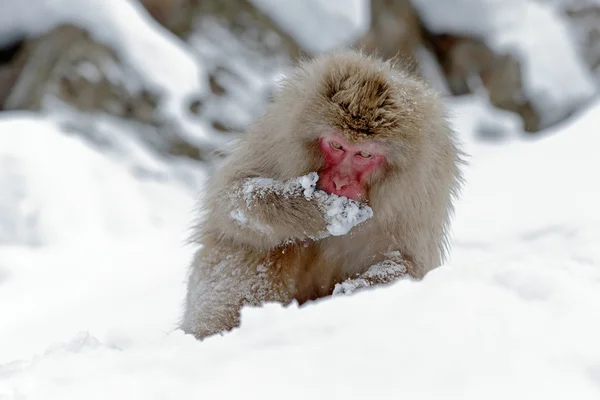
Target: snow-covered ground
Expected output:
[93,263]
[91,310]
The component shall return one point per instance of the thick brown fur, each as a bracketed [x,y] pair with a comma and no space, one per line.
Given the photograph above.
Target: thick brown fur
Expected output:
[364,99]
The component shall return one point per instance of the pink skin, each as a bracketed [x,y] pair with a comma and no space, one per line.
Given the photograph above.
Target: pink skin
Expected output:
[347,166]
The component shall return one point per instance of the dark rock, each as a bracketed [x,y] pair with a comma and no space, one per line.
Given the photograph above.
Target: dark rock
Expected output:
[195,106]
[215,87]
[584,19]
[12,60]
[220,126]
[471,66]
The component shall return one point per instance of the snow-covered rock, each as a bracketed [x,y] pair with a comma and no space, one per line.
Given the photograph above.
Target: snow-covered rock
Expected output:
[159,57]
[533,32]
[319,26]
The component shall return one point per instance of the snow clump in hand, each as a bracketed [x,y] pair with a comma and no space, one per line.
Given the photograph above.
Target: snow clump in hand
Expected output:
[309,184]
[342,213]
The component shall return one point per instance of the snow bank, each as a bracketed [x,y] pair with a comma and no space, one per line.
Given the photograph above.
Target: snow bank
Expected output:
[158,58]
[123,25]
[555,77]
[513,315]
[503,331]
[57,188]
[125,290]
[75,222]
[320,26]
[93,268]
[477,118]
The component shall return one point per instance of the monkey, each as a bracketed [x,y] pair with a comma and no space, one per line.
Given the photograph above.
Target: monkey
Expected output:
[346,181]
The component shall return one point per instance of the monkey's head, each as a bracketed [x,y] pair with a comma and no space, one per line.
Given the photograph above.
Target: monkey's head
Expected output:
[365,118]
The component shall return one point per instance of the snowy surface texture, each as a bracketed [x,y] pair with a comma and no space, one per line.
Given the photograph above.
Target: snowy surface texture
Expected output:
[320,26]
[532,31]
[93,266]
[515,313]
[56,188]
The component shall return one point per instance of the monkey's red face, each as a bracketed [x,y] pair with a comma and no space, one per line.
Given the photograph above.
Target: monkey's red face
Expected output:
[348,166]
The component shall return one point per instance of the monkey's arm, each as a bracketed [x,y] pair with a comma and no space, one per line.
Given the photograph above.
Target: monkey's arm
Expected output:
[392,268]
[266,213]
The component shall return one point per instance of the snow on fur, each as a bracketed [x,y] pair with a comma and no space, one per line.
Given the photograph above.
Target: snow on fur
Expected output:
[341,213]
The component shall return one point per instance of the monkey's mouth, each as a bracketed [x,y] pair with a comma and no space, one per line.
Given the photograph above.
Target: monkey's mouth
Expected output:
[352,191]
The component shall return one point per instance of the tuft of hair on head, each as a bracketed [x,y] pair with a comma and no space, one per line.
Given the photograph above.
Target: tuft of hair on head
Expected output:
[364,97]
[358,95]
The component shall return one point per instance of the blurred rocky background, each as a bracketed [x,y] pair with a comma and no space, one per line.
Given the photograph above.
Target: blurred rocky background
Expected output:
[536,62]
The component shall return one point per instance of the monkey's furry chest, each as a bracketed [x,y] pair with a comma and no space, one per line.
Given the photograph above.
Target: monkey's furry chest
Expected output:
[318,267]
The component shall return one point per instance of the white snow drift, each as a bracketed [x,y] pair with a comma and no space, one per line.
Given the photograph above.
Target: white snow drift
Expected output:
[516,313]
[93,267]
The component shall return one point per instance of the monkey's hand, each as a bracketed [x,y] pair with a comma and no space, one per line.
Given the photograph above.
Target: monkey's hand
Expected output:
[392,268]
[268,213]
[340,213]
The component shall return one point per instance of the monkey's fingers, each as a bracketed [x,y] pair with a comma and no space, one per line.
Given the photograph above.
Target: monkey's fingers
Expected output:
[349,286]
[385,272]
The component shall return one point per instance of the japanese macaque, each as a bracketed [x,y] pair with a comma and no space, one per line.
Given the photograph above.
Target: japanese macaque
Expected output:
[345,182]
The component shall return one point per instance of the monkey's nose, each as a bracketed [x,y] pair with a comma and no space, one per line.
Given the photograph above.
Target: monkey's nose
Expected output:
[340,182]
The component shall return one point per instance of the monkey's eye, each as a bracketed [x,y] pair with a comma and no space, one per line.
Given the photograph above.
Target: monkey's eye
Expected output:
[336,145]
[364,154]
